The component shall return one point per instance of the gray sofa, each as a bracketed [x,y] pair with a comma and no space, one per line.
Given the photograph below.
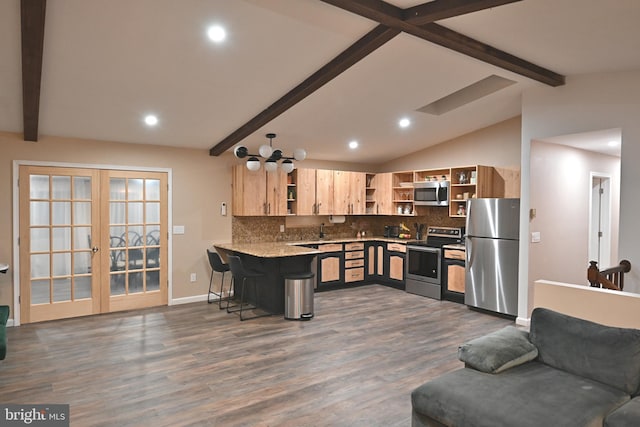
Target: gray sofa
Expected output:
[565,372]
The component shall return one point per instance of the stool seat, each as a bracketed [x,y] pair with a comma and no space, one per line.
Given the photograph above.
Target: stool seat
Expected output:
[217,265]
[242,274]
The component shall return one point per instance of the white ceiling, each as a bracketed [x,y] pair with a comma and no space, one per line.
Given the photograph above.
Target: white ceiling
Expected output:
[109,62]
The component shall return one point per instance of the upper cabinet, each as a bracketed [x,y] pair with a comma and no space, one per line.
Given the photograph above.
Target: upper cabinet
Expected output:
[469,182]
[349,193]
[378,198]
[402,193]
[259,193]
[331,192]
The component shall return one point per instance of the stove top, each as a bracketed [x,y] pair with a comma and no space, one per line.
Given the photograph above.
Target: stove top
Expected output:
[438,236]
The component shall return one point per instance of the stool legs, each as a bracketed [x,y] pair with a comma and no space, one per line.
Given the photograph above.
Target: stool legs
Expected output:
[212,292]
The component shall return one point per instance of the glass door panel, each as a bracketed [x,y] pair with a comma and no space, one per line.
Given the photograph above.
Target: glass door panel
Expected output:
[60,276]
[137,221]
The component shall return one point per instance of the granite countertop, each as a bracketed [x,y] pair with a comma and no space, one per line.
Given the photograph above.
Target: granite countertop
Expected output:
[290,249]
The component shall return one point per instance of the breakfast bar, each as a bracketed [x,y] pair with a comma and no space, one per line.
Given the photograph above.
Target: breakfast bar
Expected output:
[276,260]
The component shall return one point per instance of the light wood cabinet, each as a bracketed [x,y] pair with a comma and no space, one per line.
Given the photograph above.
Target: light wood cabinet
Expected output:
[304,200]
[258,193]
[324,192]
[402,193]
[469,182]
[378,194]
[354,262]
[349,193]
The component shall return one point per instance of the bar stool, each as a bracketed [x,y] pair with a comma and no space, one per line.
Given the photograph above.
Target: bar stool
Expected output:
[217,266]
[240,273]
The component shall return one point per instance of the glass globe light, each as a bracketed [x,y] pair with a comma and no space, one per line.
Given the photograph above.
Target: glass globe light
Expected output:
[271,165]
[287,166]
[299,154]
[241,152]
[253,164]
[265,151]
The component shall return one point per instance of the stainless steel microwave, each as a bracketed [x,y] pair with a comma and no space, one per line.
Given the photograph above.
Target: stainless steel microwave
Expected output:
[431,193]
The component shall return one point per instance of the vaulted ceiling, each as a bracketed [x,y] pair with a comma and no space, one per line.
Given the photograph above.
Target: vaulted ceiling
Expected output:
[108,63]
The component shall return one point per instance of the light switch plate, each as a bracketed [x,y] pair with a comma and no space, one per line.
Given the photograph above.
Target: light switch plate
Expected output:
[535,237]
[178,229]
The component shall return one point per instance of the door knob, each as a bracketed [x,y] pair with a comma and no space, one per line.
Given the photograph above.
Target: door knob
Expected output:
[95,249]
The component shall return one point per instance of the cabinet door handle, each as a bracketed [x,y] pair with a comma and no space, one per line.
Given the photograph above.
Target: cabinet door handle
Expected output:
[268,208]
[318,210]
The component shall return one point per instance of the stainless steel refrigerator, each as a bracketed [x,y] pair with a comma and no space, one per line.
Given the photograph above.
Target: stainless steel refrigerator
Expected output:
[493,227]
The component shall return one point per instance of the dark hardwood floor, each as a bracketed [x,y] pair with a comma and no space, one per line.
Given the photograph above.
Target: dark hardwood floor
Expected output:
[354,364]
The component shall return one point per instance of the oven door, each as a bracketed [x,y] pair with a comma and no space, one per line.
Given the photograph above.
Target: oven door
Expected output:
[423,271]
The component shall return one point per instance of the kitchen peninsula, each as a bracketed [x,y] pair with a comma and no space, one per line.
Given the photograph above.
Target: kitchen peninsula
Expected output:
[276,260]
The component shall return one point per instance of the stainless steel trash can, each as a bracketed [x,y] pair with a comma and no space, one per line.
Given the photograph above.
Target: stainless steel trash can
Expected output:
[298,296]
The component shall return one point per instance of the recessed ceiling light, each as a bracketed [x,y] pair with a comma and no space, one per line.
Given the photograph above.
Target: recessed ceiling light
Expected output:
[216,33]
[404,122]
[353,145]
[612,143]
[151,120]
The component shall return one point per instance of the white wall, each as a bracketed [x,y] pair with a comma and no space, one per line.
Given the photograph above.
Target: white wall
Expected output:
[560,193]
[586,103]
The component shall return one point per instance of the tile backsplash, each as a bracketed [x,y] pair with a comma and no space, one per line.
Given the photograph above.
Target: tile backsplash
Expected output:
[267,229]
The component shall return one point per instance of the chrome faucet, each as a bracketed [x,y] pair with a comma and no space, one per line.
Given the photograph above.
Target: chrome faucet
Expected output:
[322,230]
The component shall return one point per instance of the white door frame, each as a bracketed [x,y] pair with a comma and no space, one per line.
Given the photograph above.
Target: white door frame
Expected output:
[606,226]
[16,219]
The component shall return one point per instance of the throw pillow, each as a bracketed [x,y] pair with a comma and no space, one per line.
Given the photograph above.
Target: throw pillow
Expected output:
[498,351]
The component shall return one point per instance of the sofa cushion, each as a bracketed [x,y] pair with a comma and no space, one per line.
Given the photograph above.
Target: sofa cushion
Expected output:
[625,416]
[603,353]
[498,351]
[529,395]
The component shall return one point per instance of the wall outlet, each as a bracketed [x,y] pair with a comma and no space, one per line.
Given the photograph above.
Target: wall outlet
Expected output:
[535,237]
[193,277]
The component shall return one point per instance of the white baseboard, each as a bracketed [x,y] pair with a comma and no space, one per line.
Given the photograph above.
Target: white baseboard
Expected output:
[9,322]
[195,298]
[523,321]
[188,300]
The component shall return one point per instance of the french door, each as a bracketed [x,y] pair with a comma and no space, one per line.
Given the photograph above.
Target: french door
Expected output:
[91,241]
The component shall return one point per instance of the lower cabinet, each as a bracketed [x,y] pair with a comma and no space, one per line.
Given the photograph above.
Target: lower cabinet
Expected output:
[361,262]
[330,264]
[394,263]
[354,262]
[374,260]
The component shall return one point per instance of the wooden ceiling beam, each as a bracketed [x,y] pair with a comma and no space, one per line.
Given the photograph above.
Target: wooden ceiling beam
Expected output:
[354,53]
[439,9]
[442,9]
[453,40]
[32,16]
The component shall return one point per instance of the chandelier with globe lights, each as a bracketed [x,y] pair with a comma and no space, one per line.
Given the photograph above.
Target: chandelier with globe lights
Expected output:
[272,157]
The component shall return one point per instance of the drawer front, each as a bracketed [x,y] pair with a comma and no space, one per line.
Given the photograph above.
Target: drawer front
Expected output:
[354,255]
[359,246]
[330,247]
[454,254]
[396,247]
[354,263]
[354,274]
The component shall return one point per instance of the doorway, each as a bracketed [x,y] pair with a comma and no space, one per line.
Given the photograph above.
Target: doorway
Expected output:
[91,241]
[600,219]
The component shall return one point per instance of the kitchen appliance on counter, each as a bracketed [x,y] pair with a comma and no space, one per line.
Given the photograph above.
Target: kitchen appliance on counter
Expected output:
[431,193]
[423,261]
[492,245]
[391,230]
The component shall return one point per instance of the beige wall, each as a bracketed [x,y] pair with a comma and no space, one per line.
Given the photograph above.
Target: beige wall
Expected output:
[560,195]
[496,145]
[612,308]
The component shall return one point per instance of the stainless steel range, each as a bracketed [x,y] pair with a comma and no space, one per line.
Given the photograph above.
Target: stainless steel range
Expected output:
[423,271]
